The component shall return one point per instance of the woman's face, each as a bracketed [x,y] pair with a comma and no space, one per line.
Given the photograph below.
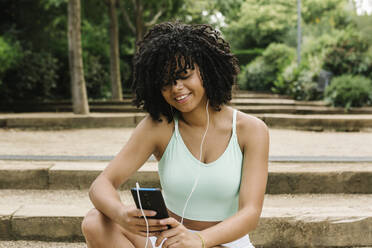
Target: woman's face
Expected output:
[187,93]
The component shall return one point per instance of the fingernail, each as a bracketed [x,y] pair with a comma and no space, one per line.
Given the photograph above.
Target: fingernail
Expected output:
[153,213]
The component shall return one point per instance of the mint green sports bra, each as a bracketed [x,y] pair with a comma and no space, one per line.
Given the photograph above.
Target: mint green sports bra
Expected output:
[216,196]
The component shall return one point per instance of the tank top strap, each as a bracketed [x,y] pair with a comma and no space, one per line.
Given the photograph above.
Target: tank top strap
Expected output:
[176,131]
[234,122]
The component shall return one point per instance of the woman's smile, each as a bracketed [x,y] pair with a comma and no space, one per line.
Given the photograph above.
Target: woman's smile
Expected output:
[183,98]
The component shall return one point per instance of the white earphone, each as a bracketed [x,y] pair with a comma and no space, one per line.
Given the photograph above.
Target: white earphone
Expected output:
[200,157]
[143,214]
[192,190]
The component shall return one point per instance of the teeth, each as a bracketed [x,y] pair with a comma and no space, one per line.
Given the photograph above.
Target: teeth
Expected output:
[181,97]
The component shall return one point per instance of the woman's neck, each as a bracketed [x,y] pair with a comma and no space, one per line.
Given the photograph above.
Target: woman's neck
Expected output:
[199,116]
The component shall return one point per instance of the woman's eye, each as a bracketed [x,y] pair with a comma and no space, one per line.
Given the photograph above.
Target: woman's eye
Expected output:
[183,77]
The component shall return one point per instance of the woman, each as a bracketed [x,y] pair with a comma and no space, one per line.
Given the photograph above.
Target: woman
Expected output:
[213,160]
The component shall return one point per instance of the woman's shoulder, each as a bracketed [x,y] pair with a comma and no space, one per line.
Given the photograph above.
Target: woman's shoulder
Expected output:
[155,128]
[157,132]
[249,127]
[149,124]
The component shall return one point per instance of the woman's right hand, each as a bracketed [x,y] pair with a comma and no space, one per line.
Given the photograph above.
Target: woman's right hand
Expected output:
[132,220]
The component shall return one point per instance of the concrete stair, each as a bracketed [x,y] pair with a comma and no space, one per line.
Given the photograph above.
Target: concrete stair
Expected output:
[304,220]
[244,103]
[320,122]
[284,178]
[40,244]
[313,204]
[275,110]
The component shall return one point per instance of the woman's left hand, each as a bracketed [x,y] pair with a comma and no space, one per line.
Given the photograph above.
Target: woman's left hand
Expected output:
[178,236]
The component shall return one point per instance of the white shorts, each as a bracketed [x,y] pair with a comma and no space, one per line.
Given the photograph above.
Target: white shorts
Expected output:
[243,242]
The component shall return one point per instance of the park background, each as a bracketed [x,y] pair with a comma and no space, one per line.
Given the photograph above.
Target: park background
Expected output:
[320,163]
[336,50]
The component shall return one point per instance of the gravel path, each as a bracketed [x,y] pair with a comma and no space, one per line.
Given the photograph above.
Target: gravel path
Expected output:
[108,141]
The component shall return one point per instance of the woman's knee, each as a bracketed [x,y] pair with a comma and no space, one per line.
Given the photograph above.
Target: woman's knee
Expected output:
[93,223]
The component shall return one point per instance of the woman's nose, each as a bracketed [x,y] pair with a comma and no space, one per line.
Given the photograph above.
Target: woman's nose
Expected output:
[177,85]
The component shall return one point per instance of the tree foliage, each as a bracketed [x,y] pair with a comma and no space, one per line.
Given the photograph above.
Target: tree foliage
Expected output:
[259,23]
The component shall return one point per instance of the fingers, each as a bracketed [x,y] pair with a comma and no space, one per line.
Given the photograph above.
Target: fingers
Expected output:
[141,222]
[170,221]
[144,234]
[137,213]
[173,234]
[170,242]
[153,228]
[173,239]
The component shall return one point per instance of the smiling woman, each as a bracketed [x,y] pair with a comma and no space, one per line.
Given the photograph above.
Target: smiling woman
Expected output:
[187,88]
[169,51]
[213,159]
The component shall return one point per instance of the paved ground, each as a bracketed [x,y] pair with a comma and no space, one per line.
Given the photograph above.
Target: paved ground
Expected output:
[108,141]
[38,244]
[295,203]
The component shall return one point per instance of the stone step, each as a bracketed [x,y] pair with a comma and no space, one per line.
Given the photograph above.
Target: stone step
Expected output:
[306,220]
[362,122]
[275,101]
[237,101]
[242,94]
[284,178]
[300,110]
[257,95]
[42,244]
[247,106]
[251,109]
[39,244]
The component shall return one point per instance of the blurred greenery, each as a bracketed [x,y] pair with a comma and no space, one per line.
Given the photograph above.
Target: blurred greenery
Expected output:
[262,34]
[349,91]
[263,71]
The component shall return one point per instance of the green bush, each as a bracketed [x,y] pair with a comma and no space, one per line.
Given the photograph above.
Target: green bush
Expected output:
[301,82]
[246,56]
[10,54]
[283,83]
[319,45]
[305,87]
[255,76]
[348,55]
[34,77]
[261,73]
[349,91]
[278,56]
[97,77]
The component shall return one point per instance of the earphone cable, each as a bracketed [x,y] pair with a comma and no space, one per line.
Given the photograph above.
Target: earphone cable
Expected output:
[200,157]
[143,214]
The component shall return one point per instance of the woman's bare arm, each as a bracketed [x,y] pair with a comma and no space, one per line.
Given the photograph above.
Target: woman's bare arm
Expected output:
[142,143]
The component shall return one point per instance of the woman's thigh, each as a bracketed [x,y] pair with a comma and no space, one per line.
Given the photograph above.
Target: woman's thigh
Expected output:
[136,240]
[103,229]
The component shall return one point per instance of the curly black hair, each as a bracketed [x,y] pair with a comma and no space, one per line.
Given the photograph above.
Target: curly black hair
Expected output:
[171,48]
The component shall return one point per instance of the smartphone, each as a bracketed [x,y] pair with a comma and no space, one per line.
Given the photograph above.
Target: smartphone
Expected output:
[151,199]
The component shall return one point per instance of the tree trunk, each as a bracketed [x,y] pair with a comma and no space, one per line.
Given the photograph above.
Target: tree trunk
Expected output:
[114,53]
[139,21]
[78,88]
